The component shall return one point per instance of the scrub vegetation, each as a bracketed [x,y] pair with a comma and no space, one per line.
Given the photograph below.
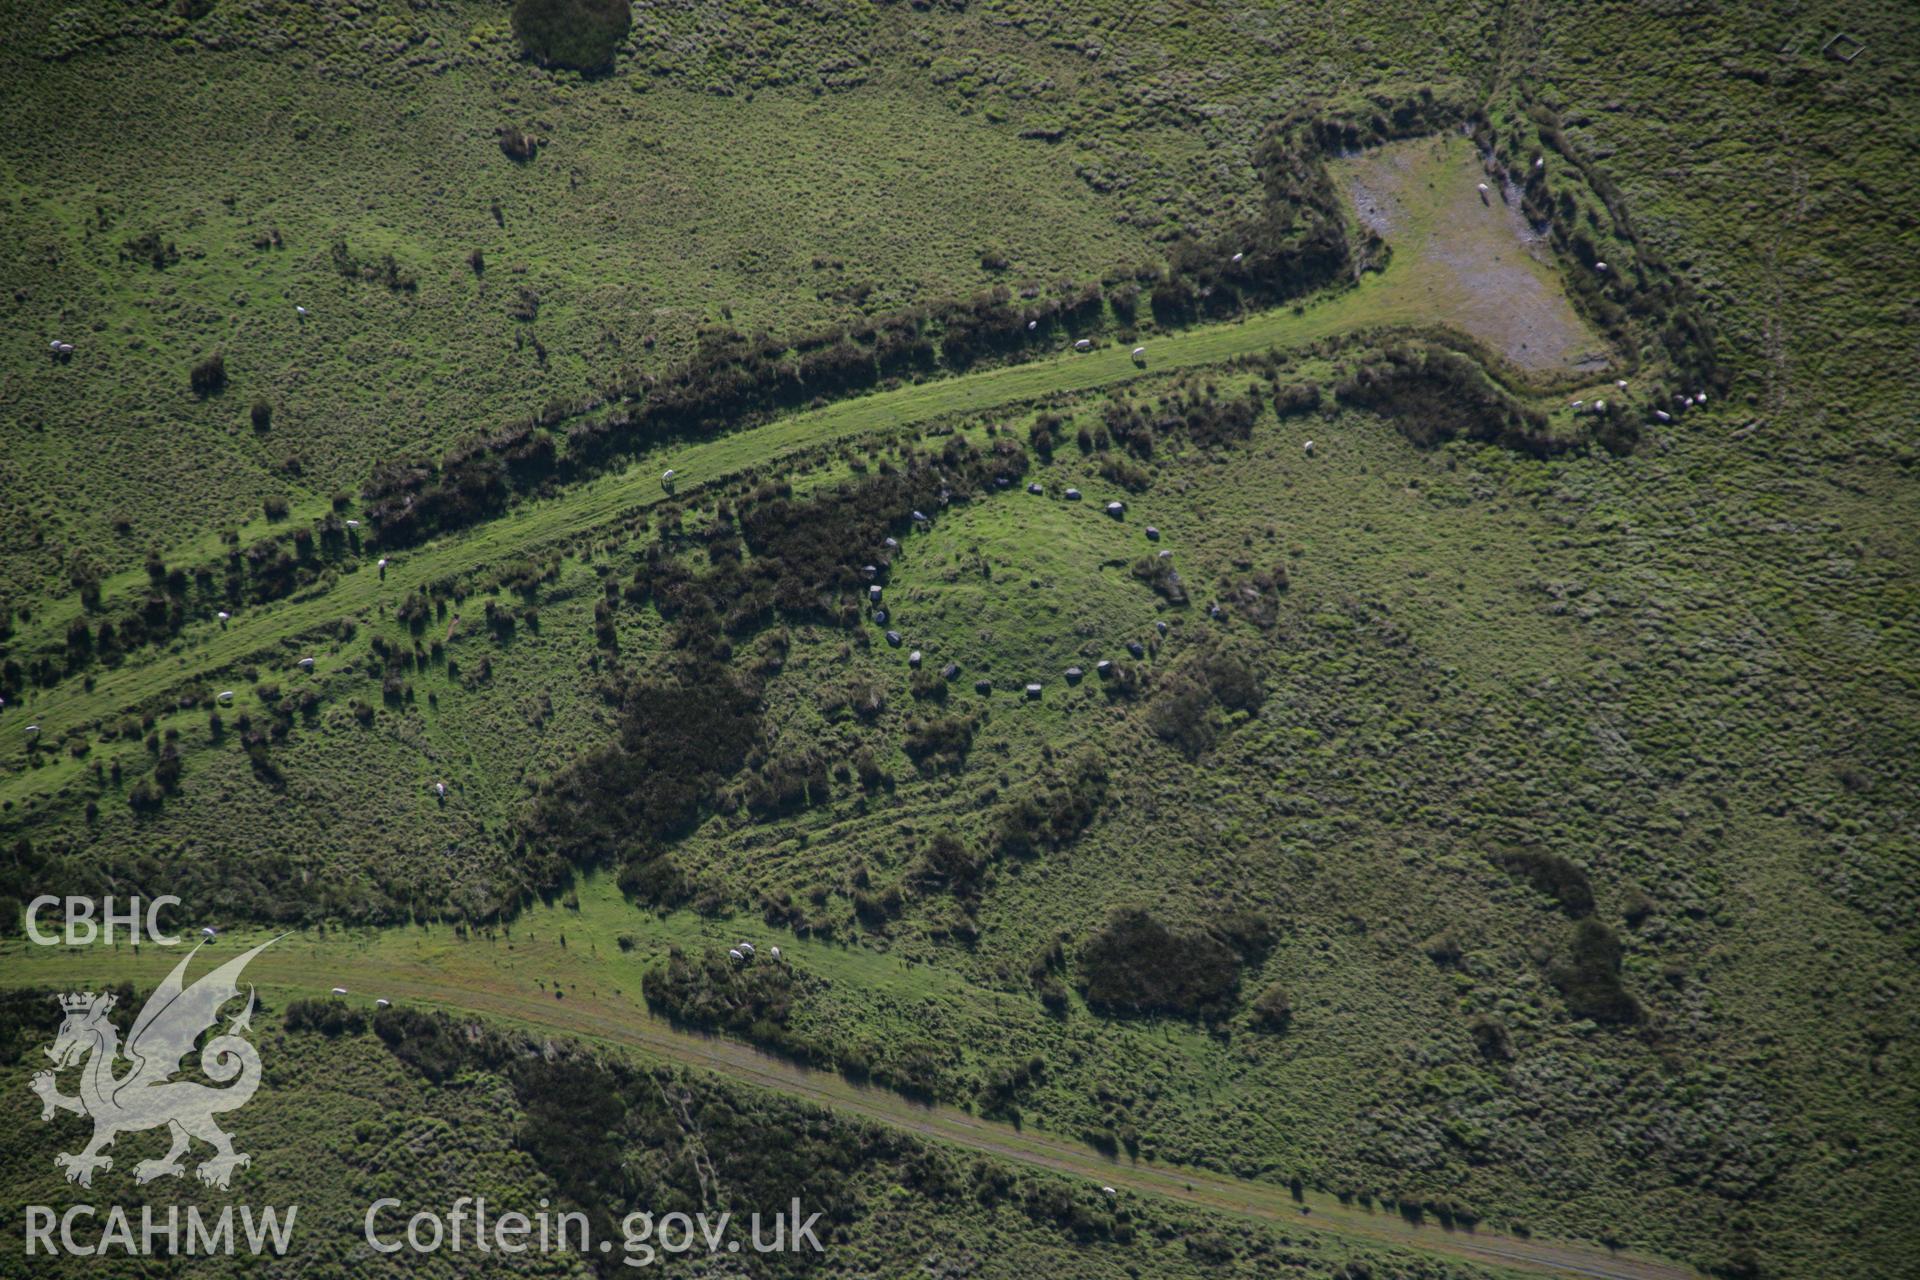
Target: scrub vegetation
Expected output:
[1304,594]
[431,1109]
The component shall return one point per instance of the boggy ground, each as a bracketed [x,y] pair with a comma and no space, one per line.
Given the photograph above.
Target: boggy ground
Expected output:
[1469,256]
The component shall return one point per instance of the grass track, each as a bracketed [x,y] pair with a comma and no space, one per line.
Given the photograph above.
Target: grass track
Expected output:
[1407,293]
[476,978]
[206,649]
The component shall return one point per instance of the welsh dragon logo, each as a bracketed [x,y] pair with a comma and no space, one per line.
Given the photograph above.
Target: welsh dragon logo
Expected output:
[146,1096]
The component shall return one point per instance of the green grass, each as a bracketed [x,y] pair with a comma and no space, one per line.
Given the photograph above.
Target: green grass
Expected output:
[1418,715]
[1688,671]
[342,1122]
[1455,650]
[871,159]
[1378,301]
[564,970]
[609,243]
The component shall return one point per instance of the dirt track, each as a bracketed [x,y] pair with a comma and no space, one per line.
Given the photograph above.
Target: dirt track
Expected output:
[613,1020]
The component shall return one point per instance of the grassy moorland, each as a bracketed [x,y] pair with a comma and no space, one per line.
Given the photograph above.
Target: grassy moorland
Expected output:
[1398,923]
[754,168]
[1486,825]
[541,984]
[1416,289]
[428,1111]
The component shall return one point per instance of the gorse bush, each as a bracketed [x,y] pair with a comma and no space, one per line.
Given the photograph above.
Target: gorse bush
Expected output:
[581,35]
[787,784]
[939,741]
[209,376]
[678,740]
[1295,399]
[1162,577]
[1588,976]
[1553,875]
[421,1040]
[1185,711]
[1136,964]
[1053,811]
[1182,713]
[949,863]
[1273,1011]
[152,248]
[328,1017]
[711,990]
[1434,395]
[385,270]
[519,146]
